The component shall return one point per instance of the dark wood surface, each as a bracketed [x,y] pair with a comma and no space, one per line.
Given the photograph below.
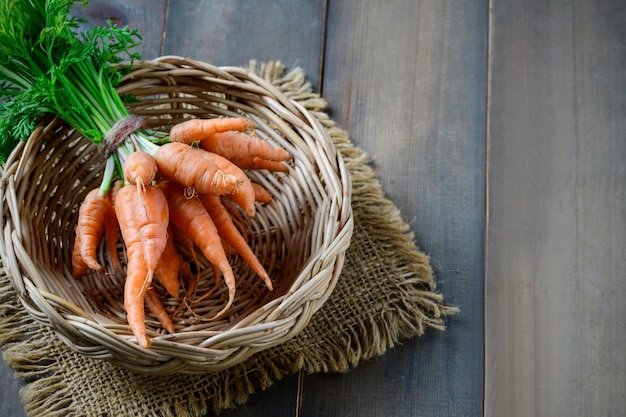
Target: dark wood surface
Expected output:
[556,240]
[497,127]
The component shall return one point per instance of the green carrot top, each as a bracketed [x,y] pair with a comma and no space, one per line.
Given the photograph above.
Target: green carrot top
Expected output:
[47,66]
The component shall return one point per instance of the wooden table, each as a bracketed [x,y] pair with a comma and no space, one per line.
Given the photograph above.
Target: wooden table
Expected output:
[499,130]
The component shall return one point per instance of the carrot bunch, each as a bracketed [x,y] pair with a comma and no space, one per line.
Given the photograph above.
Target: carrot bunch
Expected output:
[156,189]
[177,194]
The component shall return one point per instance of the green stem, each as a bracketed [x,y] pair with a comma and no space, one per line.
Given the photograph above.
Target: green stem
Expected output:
[112,99]
[15,78]
[145,142]
[107,177]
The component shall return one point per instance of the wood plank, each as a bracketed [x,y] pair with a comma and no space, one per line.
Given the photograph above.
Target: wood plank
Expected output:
[555,290]
[232,32]
[408,81]
[10,401]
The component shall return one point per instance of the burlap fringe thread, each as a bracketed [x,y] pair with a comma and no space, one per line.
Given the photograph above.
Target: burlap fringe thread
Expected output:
[53,376]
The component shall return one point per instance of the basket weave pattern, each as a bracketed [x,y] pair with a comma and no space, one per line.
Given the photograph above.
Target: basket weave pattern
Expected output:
[301,239]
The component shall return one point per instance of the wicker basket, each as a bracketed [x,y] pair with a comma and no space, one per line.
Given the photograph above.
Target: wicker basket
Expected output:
[301,240]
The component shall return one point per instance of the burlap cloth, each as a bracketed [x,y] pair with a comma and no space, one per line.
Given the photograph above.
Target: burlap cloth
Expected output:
[386,293]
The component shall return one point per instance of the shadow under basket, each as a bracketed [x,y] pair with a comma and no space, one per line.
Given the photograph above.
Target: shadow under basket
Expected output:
[300,239]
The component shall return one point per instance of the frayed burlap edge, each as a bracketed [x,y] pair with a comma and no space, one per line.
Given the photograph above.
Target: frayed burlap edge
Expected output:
[59,382]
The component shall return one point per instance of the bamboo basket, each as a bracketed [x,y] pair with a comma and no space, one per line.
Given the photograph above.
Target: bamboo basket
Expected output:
[301,240]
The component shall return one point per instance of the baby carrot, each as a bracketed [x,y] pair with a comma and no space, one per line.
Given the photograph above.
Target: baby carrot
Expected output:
[191,167]
[144,222]
[153,302]
[244,194]
[168,268]
[260,163]
[153,217]
[233,144]
[135,289]
[196,129]
[261,195]
[139,221]
[139,169]
[234,212]
[190,280]
[90,227]
[111,226]
[228,231]
[190,216]
[78,264]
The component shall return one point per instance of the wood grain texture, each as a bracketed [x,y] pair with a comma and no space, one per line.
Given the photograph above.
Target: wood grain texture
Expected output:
[233,32]
[10,402]
[555,331]
[408,81]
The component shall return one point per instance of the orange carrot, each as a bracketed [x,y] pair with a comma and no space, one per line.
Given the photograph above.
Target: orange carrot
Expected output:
[235,213]
[90,227]
[228,231]
[153,302]
[139,169]
[135,290]
[132,216]
[78,264]
[169,266]
[191,167]
[180,237]
[190,216]
[111,226]
[244,194]
[191,281]
[260,163]
[233,144]
[261,195]
[153,217]
[196,129]
[228,248]
[143,221]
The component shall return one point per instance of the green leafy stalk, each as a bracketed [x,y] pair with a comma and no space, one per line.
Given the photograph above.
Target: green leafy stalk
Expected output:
[46,66]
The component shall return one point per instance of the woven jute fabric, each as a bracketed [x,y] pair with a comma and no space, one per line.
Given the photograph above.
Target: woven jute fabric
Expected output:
[386,293]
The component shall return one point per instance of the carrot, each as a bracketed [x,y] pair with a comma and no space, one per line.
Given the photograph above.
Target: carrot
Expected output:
[180,237]
[190,280]
[261,195]
[191,167]
[144,229]
[190,216]
[234,212]
[111,226]
[135,290]
[78,264]
[153,302]
[229,232]
[139,169]
[228,249]
[90,227]
[260,163]
[233,144]
[169,266]
[244,194]
[153,217]
[197,129]
[143,221]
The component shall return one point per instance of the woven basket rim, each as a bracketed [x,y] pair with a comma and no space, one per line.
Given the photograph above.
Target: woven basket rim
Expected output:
[313,199]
